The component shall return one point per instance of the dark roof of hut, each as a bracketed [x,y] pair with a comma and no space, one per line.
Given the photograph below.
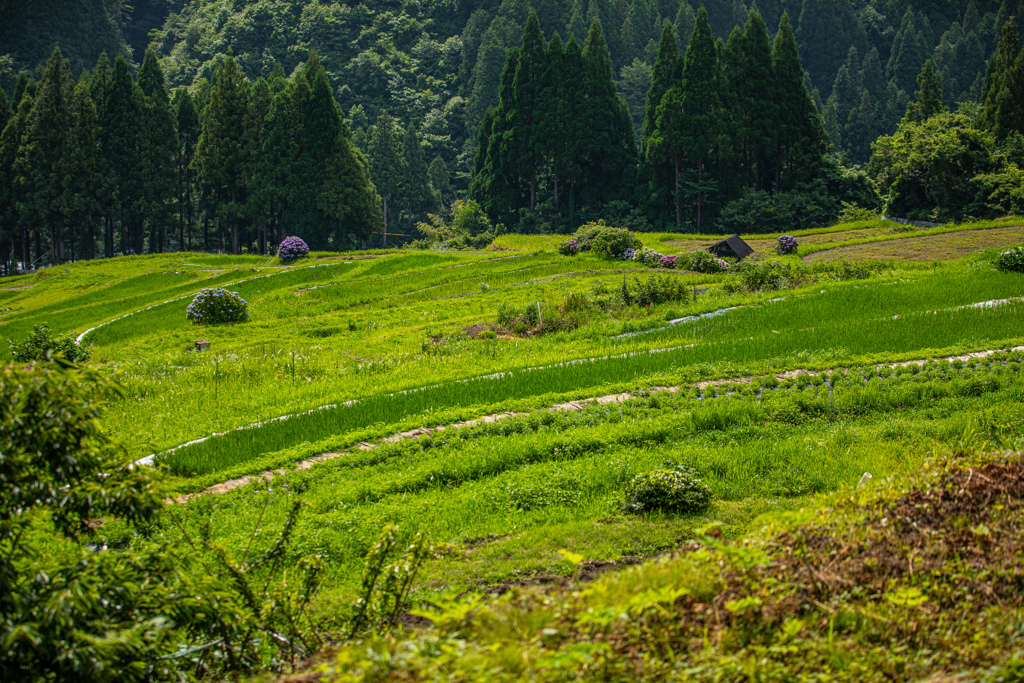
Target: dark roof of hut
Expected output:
[731,246]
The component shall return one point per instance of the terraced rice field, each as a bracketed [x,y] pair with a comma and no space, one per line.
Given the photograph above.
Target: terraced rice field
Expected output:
[783,396]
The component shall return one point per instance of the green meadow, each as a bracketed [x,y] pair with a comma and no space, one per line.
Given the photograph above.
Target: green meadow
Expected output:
[772,397]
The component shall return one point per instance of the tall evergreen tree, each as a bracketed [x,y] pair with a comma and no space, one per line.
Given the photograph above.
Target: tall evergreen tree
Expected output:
[387,166]
[929,97]
[13,230]
[158,147]
[44,162]
[608,151]
[99,87]
[526,117]
[85,208]
[660,177]
[689,118]
[684,22]
[1000,67]
[440,178]
[187,123]
[120,121]
[256,121]
[418,197]
[1009,116]
[800,136]
[758,100]
[221,152]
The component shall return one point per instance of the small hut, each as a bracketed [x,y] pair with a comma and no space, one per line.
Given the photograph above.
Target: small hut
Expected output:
[731,247]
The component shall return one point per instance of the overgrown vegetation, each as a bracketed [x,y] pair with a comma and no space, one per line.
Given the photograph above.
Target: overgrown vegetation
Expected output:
[40,344]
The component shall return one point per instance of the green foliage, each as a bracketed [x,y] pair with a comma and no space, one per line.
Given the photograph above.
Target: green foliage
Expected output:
[69,612]
[215,306]
[603,240]
[926,170]
[612,242]
[667,490]
[467,227]
[40,345]
[654,290]
[388,573]
[1011,260]
[701,261]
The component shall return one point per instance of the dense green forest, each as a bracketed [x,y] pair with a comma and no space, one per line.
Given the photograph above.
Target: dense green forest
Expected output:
[431,101]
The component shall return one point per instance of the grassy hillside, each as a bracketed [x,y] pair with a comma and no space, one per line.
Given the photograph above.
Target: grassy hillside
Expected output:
[415,389]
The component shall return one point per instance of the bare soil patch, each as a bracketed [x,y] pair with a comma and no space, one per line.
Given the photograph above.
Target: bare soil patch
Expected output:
[950,245]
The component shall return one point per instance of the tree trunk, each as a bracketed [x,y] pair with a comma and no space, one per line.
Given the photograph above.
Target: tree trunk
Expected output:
[700,192]
[679,208]
[385,201]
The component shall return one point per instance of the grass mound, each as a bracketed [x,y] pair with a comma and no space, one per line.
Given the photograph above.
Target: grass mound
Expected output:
[903,582]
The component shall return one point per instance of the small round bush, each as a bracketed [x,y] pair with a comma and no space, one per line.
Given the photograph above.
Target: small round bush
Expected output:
[41,342]
[786,245]
[213,306]
[1011,260]
[292,248]
[675,490]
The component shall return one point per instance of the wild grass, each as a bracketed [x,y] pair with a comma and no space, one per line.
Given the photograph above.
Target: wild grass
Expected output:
[522,479]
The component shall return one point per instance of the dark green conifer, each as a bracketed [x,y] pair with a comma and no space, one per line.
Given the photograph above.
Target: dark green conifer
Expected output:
[690,120]
[387,167]
[158,151]
[525,115]
[44,162]
[440,178]
[85,208]
[800,137]
[221,152]
[999,68]
[187,123]
[1009,117]
[684,22]
[418,197]
[928,101]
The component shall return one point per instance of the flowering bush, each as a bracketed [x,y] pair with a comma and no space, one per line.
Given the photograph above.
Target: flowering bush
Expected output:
[702,262]
[292,248]
[786,245]
[667,261]
[676,490]
[212,306]
[1011,261]
[570,248]
[611,242]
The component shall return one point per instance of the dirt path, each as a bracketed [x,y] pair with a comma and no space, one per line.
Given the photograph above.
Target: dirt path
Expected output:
[269,475]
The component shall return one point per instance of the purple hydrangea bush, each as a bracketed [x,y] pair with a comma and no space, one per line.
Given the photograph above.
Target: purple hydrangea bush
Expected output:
[292,248]
[213,306]
[570,248]
[786,245]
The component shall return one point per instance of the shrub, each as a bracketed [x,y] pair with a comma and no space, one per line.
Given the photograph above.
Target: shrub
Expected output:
[1011,261]
[654,290]
[611,242]
[769,275]
[702,262]
[675,490]
[570,248]
[603,240]
[292,248]
[786,244]
[214,306]
[39,343]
